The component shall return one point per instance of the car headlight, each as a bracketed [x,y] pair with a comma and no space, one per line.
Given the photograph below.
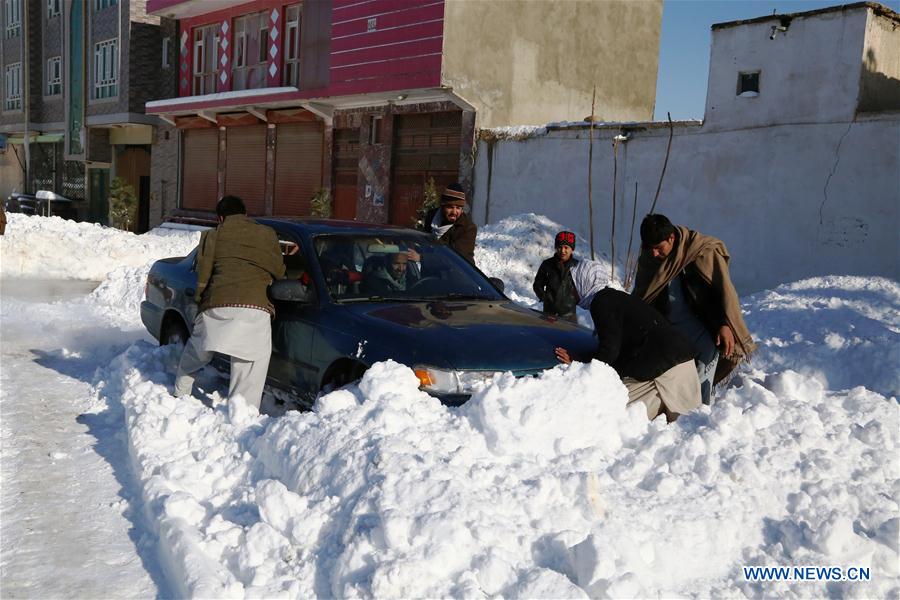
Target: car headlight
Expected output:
[443,381]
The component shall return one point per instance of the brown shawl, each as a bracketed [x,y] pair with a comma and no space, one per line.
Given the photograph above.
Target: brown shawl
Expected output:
[710,257]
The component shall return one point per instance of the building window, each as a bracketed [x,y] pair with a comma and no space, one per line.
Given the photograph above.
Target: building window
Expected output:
[13,18]
[748,84]
[54,76]
[375,129]
[251,37]
[206,40]
[292,46]
[106,69]
[165,53]
[101,4]
[53,8]
[14,86]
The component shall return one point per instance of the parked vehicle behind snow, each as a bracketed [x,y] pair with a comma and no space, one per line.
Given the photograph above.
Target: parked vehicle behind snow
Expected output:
[342,308]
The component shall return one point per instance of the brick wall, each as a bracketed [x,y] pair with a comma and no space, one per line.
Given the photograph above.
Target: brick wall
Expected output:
[163,174]
[13,52]
[53,107]
[145,66]
[98,148]
[104,25]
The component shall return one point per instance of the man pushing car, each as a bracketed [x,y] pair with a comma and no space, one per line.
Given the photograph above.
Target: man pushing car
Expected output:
[236,262]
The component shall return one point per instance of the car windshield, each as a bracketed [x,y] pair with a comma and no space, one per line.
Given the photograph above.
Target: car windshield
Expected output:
[396,267]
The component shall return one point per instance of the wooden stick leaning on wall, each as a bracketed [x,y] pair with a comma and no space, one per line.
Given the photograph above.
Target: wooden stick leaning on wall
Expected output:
[631,261]
[612,237]
[665,163]
[590,170]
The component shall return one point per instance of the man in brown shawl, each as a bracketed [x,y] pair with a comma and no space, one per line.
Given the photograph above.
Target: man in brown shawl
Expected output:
[684,275]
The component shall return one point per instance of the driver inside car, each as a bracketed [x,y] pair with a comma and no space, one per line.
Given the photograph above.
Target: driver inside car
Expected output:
[390,275]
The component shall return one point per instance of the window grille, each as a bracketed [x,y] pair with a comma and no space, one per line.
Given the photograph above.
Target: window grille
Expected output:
[54,76]
[106,69]
[14,86]
[13,18]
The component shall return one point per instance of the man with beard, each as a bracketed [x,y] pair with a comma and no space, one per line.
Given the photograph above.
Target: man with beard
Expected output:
[389,276]
[684,275]
[450,224]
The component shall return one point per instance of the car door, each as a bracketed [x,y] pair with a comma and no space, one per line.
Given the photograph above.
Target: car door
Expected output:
[293,332]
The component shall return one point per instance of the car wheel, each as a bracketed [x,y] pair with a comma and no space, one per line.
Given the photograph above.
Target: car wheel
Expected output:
[173,332]
[343,374]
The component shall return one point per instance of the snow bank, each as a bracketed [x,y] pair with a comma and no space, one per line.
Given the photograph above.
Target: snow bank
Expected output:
[514,248]
[844,330]
[546,486]
[48,247]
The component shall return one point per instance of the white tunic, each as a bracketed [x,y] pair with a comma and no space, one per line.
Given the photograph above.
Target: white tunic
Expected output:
[589,277]
[245,333]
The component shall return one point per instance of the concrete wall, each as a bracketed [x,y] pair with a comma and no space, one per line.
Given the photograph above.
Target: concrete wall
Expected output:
[163,173]
[880,81]
[809,73]
[525,62]
[789,201]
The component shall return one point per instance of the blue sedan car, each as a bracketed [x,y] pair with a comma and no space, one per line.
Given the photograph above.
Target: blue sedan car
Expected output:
[356,294]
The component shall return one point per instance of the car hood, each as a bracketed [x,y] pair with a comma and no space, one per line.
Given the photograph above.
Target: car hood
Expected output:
[474,335]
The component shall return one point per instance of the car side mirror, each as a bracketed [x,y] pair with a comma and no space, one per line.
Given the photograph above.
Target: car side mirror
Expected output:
[291,290]
[497,283]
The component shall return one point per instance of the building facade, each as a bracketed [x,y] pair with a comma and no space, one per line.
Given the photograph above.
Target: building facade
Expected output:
[77,75]
[369,102]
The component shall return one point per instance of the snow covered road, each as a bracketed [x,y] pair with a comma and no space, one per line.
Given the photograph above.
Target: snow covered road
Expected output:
[67,489]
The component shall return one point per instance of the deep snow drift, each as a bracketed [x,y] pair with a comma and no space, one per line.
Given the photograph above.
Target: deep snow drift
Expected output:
[545,487]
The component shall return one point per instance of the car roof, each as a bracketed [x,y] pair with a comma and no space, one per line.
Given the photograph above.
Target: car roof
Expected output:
[324,226]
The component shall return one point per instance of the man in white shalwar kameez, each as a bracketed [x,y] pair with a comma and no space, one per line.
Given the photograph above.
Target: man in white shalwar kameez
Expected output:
[236,262]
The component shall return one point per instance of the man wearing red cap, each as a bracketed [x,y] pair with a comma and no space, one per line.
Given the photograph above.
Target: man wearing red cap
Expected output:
[553,284]
[450,224]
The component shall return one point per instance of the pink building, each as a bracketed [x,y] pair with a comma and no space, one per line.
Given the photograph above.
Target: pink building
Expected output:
[367,99]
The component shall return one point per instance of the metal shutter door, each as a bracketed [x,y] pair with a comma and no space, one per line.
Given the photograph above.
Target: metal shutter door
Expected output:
[245,166]
[426,146]
[298,167]
[200,185]
[346,168]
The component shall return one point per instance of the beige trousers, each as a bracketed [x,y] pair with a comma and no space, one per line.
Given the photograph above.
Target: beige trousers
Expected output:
[675,392]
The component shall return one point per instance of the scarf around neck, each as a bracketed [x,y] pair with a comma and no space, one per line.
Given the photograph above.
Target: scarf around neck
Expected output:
[436,228]
[710,257]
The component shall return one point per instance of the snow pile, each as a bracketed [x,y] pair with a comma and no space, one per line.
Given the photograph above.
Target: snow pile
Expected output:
[513,249]
[53,247]
[546,486]
[841,329]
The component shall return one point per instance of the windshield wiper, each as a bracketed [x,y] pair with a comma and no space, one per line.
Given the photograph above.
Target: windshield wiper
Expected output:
[455,296]
[381,299]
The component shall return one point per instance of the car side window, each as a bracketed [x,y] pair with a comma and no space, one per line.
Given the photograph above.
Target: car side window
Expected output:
[295,262]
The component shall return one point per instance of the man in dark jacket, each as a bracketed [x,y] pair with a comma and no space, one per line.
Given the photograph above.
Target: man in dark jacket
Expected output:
[553,283]
[451,225]
[235,265]
[654,360]
[684,275]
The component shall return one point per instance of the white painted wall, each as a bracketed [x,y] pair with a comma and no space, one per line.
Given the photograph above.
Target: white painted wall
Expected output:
[789,201]
[809,73]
